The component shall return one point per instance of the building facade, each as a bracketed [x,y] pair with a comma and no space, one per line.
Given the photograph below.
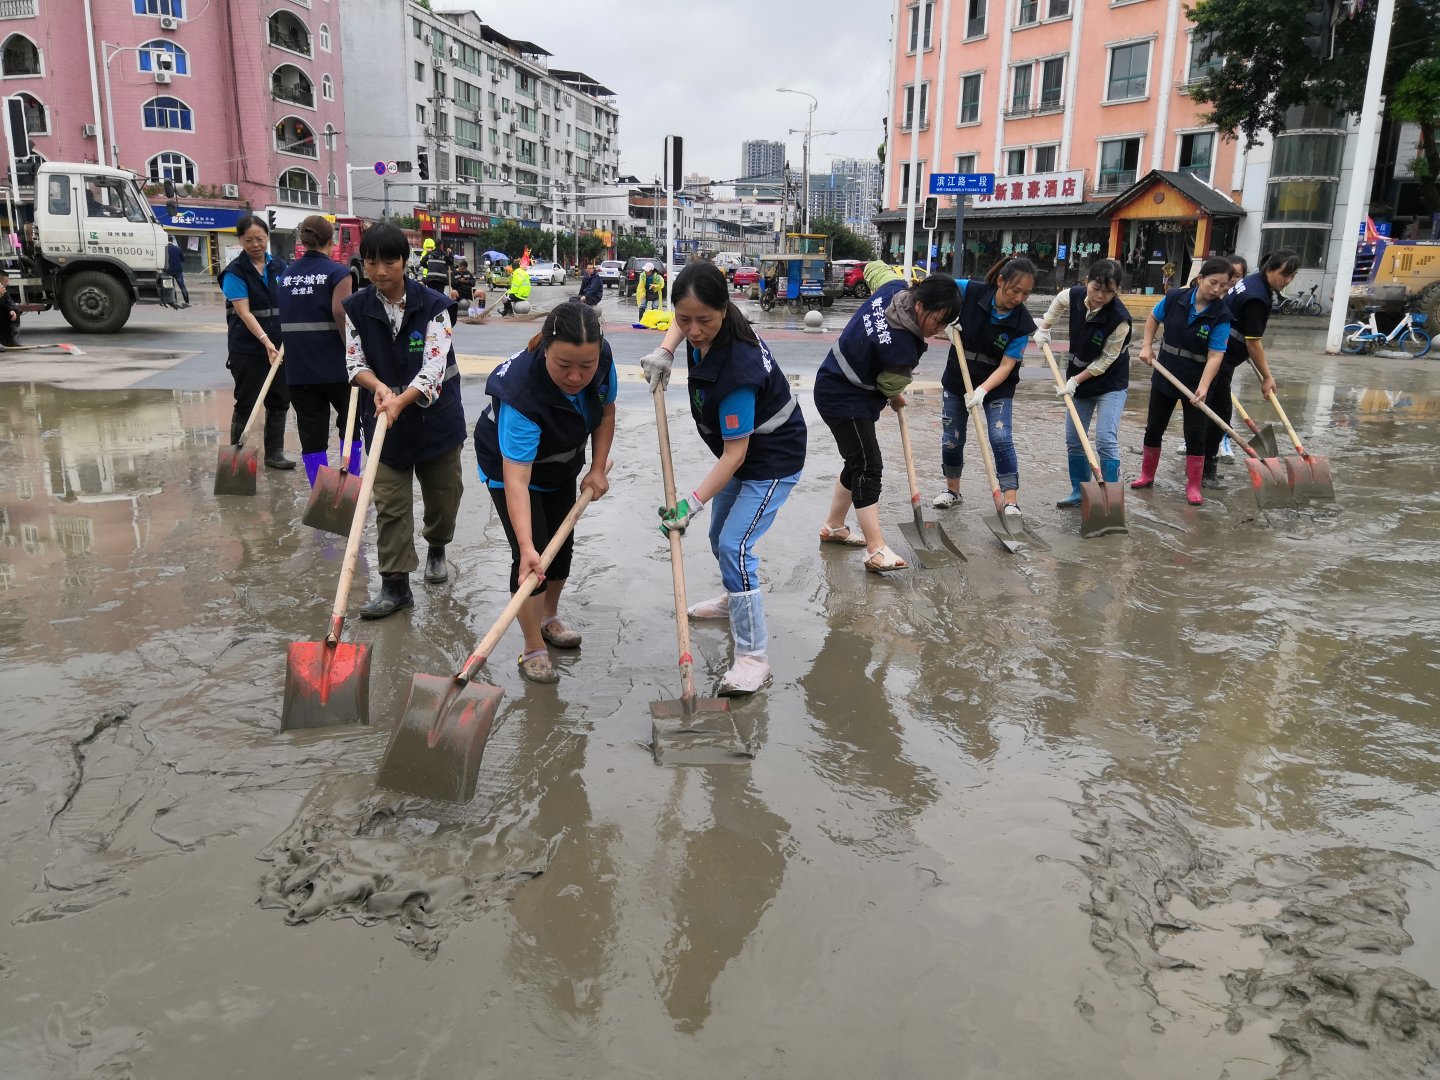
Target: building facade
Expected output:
[761,158]
[851,192]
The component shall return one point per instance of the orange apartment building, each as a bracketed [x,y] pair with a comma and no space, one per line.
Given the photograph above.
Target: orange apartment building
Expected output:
[1081,109]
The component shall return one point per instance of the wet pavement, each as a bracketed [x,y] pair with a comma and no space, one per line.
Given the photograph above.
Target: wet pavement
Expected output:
[1151,805]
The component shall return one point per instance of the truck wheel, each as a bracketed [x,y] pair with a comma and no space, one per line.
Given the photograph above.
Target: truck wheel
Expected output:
[93,302]
[1428,304]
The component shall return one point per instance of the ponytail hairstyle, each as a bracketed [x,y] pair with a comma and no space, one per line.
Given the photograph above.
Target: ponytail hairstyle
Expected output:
[1007,270]
[1214,264]
[938,294]
[1105,273]
[706,283]
[315,233]
[571,323]
[1285,260]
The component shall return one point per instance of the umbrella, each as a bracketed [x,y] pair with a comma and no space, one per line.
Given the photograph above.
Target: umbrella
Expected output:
[496,256]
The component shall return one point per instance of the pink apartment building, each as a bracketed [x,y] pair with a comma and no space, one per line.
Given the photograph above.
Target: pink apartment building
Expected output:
[1080,108]
[238,101]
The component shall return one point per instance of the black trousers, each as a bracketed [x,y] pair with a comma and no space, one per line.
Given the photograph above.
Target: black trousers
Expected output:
[860,450]
[1219,401]
[249,374]
[313,404]
[1162,407]
[547,511]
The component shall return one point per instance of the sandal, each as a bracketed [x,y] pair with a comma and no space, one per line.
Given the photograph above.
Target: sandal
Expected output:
[884,561]
[556,633]
[536,667]
[844,535]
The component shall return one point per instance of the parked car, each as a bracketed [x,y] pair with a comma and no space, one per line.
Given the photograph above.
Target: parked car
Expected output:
[728,261]
[545,272]
[849,275]
[917,273]
[611,272]
[634,265]
[745,276]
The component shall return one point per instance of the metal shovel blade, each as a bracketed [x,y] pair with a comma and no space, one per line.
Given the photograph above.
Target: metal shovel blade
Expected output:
[236,471]
[435,749]
[331,507]
[1268,480]
[1102,509]
[1264,442]
[325,685]
[931,545]
[1310,477]
[696,731]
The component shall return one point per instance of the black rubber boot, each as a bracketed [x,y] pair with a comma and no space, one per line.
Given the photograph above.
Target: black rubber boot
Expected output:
[237,428]
[437,571]
[394,596]
[275,441]
[1209,477]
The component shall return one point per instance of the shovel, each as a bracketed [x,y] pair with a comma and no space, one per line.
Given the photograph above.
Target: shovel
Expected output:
[435,749]
[1102,505]
[328,682]
[1009,529]
[927,539]
[1264,441]
[336,491]
[235,474]
[688,712]
[1266,480]
[1309,474]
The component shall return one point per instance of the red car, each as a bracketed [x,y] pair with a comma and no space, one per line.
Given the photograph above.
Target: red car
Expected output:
[852,277]
[744,277]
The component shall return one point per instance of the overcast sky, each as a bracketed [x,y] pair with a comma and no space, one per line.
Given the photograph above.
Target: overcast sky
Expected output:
[708,71]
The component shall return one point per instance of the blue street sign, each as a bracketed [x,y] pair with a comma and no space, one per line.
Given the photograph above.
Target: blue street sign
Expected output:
[962,183]
[379,168]
[1062,251]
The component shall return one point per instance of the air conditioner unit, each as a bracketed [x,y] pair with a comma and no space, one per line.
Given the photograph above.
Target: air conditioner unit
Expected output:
[164,78]
[87,131]
[454,52]
[231,191]
[169,22]
[495,114]
[429,39]
[514,126]
[494,76]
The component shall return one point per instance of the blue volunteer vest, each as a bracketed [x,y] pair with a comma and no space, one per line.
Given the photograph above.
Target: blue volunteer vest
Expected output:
[523,383]
[1087,342]
[1186,343]
[985,338]
[1250,291]
[868,347]
[314,348]
[777,444]
[264,305]
[423,432]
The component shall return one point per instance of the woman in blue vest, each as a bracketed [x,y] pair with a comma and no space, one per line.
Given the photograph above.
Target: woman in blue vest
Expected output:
[252,316]
[546,403]
[1197,324]
[1098,368]
[995,327]
[1249,300]
[744,411]
[399,345]
[868,368]
[312,294]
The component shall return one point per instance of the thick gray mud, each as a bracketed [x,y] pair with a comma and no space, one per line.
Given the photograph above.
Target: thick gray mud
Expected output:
[1156,804]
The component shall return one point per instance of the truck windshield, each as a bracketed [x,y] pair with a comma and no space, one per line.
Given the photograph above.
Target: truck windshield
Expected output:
[113,197]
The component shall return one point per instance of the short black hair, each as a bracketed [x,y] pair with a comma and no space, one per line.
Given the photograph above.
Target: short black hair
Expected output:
[938,294]
[384,242]
[247,220]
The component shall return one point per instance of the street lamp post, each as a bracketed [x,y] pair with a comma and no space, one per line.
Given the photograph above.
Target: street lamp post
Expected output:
[809,123]
[109,52]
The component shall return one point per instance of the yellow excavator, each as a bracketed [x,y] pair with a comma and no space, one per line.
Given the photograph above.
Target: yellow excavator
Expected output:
[1404,275]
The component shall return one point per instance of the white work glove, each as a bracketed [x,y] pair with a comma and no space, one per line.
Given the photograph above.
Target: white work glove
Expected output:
[1041,336]
[1068,390]
[656,365]
[975,400]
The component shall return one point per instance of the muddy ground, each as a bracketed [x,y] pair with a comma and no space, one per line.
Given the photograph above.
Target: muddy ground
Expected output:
[1153,805]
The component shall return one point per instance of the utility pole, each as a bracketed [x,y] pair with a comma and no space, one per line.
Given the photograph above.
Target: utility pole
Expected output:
[909,187]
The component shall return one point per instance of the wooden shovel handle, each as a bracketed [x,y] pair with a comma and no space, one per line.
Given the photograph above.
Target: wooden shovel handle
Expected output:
[978,418]
[677,564]
[1275,402]
[1211,413]
[357,528]
[260,401]
[909,457]
[1240,411]
[1074,413]
[349,429]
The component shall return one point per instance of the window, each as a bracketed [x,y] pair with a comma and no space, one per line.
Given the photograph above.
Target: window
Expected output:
[289,83]
[1020,89]
[1301,200]
[332,186]
[975,18]
[416,30]
[174,8]
[1052,84]
[910,107]
[172,166]
[915,24]
[155,55]
[1045,158]
[1129,66]
[327,88]
[439,83]
[1059,9]
[330,133]
[1307,155]
[916,193]
[324,37]
[970,99]
[298,188]
[289,33]
[965,163]
[1014,162]
[420,115]
[1029,13]
[37,118]
[1196,150]
[1200,64]
[19,57]
[467,133]
[59,194]
[419,72]
[112,197]
[168,114]
[1119,159]
[294,136]
[1311,244]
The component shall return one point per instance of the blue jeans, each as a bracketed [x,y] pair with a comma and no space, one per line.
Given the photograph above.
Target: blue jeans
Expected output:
[741,514]
[1107,427]
[955,419]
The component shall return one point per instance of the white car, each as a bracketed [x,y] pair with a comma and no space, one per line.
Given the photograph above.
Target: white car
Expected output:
[612,272]
[544,272]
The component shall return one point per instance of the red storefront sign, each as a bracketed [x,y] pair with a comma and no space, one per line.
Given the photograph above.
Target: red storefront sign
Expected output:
[1043,189]
[449,221]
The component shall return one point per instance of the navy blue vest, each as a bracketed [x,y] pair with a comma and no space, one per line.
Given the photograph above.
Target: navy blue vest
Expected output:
[263,305]
[423,432]
[314,348]
[523,383]
[985,338]
[1087,342]
[1186,344]
[1250,291]
[777,445]
[867,347]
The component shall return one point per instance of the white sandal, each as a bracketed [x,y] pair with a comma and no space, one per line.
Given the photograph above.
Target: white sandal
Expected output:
[844,535]
[884,561]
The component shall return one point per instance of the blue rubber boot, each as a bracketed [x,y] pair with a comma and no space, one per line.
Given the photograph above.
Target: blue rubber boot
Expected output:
[1110,470]
[313,464]
[1079,474]
[354,466]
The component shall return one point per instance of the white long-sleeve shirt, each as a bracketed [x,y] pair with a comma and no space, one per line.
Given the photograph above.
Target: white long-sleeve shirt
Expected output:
[1060,309]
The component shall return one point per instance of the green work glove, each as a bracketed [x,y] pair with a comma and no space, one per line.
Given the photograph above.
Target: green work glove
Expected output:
[676,518]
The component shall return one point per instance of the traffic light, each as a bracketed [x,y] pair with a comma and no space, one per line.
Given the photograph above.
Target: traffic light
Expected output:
[422,165]
[270,217]
[930,218]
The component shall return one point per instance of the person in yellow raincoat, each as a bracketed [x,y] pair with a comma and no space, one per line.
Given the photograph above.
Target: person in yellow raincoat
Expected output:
[519,290]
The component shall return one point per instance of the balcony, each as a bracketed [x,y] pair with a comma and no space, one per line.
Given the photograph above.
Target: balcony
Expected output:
[289,33]
[1015,112]
[1050,103]
[1112,183]
[291,84]
[19,9]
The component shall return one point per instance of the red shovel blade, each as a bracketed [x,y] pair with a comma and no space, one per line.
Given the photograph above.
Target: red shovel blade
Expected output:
[235,474]
[331,507]
[436,747]
[326,684]
[1310,477]
[1268,481]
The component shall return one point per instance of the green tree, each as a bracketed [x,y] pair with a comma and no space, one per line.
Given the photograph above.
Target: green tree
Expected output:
[635,247]
[1271,64]
[845,242]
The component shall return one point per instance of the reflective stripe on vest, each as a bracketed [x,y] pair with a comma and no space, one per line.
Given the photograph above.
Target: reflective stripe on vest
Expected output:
[299,327]
[557,458]
[1186,353]
[846,369]
[263,313]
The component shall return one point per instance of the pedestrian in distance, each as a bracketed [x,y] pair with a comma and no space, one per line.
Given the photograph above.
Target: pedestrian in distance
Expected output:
[644,289]
[1197,324]
[546,402]
[311,295]
[751,421]
[592,287]
[995,327]
[9,315]
[399,346]
[1097,372]
[175,267]
[868,368]
[465,292]
[250,285]
[519,290]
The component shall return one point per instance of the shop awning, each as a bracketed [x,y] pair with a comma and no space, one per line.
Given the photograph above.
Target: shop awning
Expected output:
[1199,194]
[200,218]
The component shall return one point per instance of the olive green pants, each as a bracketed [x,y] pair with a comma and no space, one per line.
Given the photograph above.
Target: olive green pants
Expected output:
[441,486]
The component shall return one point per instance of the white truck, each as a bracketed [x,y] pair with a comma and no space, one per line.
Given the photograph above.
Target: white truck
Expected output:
[89,244]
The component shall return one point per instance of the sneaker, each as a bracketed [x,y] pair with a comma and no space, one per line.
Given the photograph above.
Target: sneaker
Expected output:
[717,607]
[1012,510]
[1227,450]
[746,675]
[946,499]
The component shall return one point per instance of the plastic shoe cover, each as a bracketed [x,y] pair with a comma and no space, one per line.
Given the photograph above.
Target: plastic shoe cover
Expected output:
[747,675]
[747,623]
[717,607]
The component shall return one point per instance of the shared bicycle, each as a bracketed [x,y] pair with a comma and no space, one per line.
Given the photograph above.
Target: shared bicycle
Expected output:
[1406,335]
